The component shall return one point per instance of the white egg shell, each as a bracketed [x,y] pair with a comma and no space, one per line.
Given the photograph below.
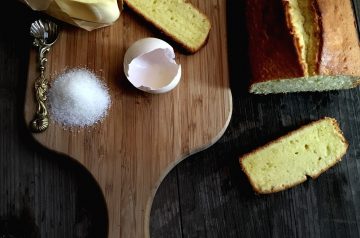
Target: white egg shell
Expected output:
[149,64]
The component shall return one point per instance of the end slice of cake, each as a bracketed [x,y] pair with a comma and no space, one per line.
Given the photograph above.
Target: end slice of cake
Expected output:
[287,161]
[178,19]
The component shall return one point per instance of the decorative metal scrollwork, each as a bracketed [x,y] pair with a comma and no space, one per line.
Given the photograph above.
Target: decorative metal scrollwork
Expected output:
[45,34]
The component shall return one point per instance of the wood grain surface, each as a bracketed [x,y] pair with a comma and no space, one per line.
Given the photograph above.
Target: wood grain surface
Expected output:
[144,135]
[43,194]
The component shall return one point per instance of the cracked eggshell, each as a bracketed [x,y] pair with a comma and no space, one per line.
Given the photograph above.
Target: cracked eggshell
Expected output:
[149,64]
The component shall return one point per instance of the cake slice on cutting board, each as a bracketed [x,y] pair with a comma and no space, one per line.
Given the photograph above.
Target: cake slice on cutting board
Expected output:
[302,45]
[287,161]
[178,19]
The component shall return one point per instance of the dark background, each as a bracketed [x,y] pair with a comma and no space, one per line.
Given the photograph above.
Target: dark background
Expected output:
[46,195]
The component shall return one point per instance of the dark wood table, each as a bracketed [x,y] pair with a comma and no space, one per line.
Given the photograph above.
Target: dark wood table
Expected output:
[45,195]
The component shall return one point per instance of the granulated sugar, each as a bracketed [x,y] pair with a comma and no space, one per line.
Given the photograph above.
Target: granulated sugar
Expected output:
[78,98]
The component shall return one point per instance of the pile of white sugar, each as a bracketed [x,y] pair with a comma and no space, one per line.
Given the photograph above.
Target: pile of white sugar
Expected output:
[78,98]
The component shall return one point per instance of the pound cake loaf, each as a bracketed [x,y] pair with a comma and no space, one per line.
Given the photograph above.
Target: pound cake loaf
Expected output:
[302,45]
[287,161]
[178,19]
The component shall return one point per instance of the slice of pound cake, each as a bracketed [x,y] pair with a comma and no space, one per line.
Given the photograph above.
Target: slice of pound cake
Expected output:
[178,19]
[287,161]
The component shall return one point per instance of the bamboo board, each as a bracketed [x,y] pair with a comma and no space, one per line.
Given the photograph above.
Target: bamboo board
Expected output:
[144,136]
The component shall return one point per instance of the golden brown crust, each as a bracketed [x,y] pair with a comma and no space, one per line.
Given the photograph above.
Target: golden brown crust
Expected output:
[296,39]
[318,33]
[253,184]
[271,47]
[167,33]
[356,83]
[318,23]
[341,50]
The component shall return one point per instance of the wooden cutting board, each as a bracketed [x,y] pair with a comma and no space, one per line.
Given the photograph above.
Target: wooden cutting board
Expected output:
[144,136]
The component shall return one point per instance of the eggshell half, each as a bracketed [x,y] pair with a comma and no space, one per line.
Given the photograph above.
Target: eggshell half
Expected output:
[149,64]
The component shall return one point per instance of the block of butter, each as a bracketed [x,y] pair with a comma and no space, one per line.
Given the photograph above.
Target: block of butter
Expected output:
[87,14]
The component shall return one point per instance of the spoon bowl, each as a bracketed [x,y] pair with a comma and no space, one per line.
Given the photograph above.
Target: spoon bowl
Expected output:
[44,32]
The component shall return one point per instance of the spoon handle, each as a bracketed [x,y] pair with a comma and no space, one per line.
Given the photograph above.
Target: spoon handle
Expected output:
[41,119]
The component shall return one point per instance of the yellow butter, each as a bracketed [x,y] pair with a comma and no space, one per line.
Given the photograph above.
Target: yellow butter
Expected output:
[87,14]
[100,11]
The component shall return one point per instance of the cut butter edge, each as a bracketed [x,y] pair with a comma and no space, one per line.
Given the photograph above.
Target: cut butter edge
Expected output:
[99,11]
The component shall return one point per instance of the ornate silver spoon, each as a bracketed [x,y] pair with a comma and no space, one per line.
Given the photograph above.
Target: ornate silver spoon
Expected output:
[45,34]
